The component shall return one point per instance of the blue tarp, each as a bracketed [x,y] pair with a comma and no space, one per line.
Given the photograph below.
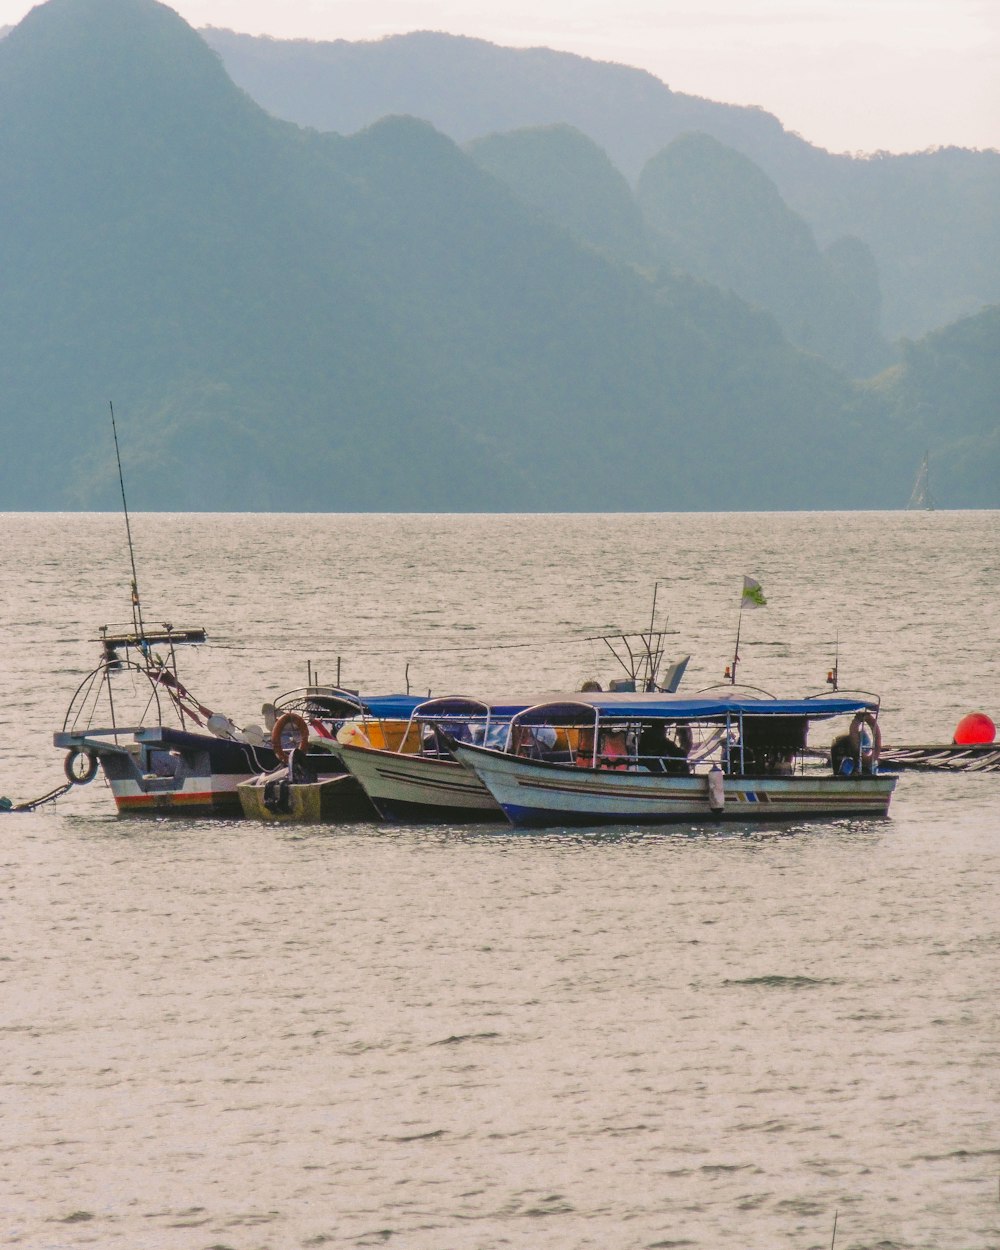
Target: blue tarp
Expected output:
[391,706]
[714,707]
[640,706]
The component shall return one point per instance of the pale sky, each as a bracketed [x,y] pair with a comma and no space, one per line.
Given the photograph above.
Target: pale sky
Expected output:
[849,75]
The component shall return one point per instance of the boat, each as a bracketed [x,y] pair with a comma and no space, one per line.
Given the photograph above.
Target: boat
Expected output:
[150,764]
[921,499]
[304,798]
[308,781]
[172,752]
[161,750]
[652,759]
[417,777]
[159,747]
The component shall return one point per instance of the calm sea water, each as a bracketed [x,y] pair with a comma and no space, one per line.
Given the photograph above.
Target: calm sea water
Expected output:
[219,1034]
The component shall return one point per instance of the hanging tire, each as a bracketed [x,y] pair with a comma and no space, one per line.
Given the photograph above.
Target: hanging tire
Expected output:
[292,721]
[80,774]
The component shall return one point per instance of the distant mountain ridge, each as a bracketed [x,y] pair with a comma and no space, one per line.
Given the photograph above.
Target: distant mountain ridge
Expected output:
[932,220]
[706,210]
[294,320]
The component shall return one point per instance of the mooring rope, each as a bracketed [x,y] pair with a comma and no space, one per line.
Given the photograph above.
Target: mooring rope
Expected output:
[6,805]
[507,646]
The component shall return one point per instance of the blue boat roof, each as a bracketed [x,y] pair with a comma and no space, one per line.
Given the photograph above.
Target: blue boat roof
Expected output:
[714,707]
[625,706]
[391,706]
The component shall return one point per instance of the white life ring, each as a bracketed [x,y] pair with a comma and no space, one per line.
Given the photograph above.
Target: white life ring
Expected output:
[866,720]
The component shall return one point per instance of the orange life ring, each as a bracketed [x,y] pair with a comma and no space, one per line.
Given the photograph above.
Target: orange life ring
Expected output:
[866,719]
[290,720]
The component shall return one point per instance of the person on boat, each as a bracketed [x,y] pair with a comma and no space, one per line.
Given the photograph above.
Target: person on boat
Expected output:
[659,753]
[844,755]
[533,742]
[612,749]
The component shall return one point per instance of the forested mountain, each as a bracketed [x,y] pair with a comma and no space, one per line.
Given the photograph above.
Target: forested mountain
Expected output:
[946,396]
[705,210]
[932,219]
[566,176]
[293,320]
[717,215]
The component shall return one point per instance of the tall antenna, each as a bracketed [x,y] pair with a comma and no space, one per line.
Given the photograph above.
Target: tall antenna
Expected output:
[136,606]
[833,676]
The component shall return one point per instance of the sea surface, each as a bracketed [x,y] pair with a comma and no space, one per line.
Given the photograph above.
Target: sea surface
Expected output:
[223,1034]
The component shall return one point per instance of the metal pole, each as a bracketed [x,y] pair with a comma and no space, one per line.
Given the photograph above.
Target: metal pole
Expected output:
[736,649]
[136,606]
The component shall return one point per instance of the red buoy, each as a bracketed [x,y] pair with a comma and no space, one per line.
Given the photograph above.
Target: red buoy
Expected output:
[976,729]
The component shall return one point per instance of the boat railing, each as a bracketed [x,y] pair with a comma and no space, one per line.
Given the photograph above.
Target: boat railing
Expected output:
[732,739]
[87,698]
[319,702]
[435,721]
[871,701]
[747,691]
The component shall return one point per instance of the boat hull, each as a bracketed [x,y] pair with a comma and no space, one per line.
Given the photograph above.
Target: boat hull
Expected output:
[538,794]
[418,788]
[163,770]
[331,801]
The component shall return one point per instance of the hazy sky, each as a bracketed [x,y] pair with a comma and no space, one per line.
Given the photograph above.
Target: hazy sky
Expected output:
[850,75]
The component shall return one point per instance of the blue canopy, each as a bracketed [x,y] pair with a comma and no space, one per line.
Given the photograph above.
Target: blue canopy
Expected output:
[390,706]
[624,706]
[708,707]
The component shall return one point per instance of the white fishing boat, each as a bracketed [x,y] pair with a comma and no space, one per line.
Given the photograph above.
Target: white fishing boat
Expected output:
[730,757]
[418,778]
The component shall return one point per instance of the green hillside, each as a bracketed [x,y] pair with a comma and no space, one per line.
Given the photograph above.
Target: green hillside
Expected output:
[565,175]
[291,320]
[945,397]
[718,216]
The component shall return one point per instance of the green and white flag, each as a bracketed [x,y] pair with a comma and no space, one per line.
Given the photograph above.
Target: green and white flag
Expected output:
[753,596]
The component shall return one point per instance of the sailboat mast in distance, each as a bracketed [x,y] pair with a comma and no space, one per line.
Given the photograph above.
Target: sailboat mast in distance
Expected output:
[920,496]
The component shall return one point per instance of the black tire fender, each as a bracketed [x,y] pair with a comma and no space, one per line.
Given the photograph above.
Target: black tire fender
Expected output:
[90,768]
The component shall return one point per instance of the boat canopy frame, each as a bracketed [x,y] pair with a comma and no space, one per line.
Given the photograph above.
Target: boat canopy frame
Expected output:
[728,718]
[458,709]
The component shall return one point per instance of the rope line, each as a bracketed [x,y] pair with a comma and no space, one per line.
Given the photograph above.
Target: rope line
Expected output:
[51,797]
[496,646]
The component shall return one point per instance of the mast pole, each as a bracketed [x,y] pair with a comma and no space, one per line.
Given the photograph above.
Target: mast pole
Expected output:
[647,684]
[736,649]
[136,605]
